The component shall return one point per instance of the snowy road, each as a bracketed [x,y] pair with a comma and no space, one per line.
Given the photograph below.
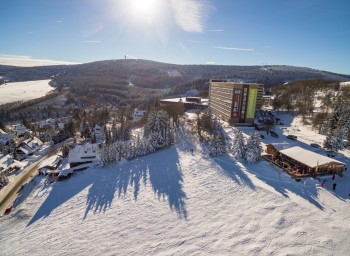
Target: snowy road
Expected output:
[9,193]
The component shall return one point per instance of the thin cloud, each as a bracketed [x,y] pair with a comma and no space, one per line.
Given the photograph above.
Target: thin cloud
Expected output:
[58,21]
[190,14]
[216,30]
[90,41]
[28,61]
[234,48]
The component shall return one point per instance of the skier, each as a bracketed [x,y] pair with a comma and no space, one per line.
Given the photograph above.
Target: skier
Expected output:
[334,186]
[333,177]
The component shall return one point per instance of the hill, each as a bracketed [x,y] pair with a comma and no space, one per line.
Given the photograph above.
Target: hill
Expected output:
[135,81]
[183,204]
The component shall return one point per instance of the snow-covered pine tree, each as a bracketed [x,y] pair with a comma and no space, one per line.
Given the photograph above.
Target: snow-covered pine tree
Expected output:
[338,128]
[213,146]
[130,150]
[114,131]
[3,180]
[149,146]
[238,145]
[253,148]
[217,146]
[221,144]
[158,129]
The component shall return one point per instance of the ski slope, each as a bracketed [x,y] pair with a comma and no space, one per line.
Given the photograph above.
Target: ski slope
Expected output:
[175,203]
[22,91]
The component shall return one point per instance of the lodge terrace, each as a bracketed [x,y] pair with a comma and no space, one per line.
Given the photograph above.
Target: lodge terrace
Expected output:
[299,162]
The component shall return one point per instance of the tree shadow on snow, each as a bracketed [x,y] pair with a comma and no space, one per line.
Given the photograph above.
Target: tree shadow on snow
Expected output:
[283,183]
[60,193]
[233,171]
[26,190]
[165,177]
[166,180]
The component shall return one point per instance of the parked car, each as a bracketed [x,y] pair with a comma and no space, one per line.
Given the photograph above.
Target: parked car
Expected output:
[292,137]
[314,145]
[331,153]
[274,134]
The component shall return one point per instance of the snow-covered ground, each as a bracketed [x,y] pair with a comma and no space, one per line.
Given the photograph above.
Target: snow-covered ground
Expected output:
[22,91]
[175,203]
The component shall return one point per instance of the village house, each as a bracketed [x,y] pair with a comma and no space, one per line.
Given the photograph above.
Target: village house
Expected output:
[47,122]
[138,114]
[28,147]
[98,131]
[8,164]
[20,129]
[82,154]
[5,138]
[49,165]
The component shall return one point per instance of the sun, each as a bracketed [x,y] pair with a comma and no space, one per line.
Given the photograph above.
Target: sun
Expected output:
[146,8]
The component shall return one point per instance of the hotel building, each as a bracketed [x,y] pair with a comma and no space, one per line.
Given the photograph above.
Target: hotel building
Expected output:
[235,102]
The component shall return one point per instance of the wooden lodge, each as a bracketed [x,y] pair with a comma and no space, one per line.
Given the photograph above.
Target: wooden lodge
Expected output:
[299,162]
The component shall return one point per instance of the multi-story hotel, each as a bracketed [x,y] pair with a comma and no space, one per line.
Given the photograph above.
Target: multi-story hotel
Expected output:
[235,102]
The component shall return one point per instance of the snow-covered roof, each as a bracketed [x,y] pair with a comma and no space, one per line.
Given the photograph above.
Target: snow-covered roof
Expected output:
[52,162]
[7,161]
[65,172]
[84,153]
[32,142]
[26,149]
[6,136]
[307,157]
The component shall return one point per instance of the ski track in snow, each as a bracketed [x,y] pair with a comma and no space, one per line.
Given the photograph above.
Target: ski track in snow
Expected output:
[175,203]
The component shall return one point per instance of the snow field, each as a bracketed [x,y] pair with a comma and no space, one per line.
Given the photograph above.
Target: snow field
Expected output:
[174,203]
[22,91]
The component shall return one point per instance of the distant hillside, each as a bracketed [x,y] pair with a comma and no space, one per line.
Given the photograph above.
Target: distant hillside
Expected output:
[151,74]
[132,81]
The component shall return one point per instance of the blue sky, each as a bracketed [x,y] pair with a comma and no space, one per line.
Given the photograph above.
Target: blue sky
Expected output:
[308,33]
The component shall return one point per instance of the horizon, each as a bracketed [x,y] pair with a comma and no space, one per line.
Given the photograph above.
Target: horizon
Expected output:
[192,32]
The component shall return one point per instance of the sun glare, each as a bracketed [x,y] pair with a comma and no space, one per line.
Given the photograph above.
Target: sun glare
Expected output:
[144,7]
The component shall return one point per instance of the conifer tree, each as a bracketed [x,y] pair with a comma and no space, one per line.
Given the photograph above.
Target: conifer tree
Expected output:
[253,148]
[238,145]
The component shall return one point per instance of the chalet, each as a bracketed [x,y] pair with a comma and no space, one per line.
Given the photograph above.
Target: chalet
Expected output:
[138,114]
[28,147]
[49,164]
[20,129]
[82,154]
[7,164]
[300,162]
